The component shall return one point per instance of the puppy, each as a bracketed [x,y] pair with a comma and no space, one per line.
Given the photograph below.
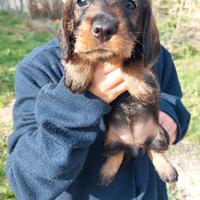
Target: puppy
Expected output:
[121,32]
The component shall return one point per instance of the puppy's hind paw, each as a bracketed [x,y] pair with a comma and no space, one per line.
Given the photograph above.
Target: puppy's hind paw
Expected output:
[169,176]
[104,180]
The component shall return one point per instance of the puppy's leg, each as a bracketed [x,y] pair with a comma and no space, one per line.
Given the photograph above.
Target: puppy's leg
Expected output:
[161,141]
[110,168]
[78,75]
[142,83]
[114,159]
[160,144]
[164,168]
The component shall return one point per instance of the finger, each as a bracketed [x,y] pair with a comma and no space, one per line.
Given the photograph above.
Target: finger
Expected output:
[161,117]
[172,135]
[119,89]
[113,79]
[99,77]
[166,125]
[171,129]
[169,123]
[109,68]
[99,69]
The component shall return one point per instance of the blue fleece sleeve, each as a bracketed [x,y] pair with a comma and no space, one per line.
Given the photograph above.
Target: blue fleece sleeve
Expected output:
[171,94]
[53,130]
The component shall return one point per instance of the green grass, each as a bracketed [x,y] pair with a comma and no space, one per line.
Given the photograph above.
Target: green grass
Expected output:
[173,193]
[187,59]
[5,191]
[189,73]
[16,40]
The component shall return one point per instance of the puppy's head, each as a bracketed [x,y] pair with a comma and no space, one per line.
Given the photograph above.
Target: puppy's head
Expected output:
[105,29]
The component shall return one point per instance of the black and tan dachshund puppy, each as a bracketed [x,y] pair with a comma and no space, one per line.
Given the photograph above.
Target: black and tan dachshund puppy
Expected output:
[121,32]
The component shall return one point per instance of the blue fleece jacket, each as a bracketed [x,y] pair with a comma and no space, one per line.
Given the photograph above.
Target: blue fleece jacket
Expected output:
[55,150]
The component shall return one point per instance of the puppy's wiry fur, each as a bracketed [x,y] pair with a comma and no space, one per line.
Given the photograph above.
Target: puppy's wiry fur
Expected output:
[122,32]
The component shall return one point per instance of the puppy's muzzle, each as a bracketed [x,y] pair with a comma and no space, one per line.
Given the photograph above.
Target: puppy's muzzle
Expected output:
[104,26]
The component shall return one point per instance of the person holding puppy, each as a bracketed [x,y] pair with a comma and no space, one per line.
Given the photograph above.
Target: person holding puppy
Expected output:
[56,146]
[55,150]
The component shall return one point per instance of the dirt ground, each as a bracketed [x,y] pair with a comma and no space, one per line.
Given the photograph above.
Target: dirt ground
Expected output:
[6,113]
[185,156]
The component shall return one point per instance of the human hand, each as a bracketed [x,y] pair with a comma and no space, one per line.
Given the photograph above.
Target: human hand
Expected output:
[108,83]
[169,125]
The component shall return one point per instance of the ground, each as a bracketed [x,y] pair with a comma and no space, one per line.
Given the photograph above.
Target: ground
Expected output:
[186,158]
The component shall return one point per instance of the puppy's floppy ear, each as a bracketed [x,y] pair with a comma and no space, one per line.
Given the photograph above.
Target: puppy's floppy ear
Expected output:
[65,30]
[151,43]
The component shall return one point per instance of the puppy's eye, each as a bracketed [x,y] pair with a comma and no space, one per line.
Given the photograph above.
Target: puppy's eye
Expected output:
[82,3]
[131,5]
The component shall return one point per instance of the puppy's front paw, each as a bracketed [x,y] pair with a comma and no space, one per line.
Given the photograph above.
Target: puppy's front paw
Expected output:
[78,76]
[76,86]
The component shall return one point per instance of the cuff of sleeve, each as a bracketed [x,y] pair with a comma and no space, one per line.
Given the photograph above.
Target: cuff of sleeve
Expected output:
[168,109]
[71,110]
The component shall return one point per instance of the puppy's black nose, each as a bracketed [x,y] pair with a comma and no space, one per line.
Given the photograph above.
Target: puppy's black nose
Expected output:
[104,27]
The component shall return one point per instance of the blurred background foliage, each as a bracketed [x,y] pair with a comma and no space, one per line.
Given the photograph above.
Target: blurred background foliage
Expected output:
[26,24]
[179,26]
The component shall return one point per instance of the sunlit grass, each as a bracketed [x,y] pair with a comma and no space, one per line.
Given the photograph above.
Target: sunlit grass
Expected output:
[5,191]
[16,40]
[189,73]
